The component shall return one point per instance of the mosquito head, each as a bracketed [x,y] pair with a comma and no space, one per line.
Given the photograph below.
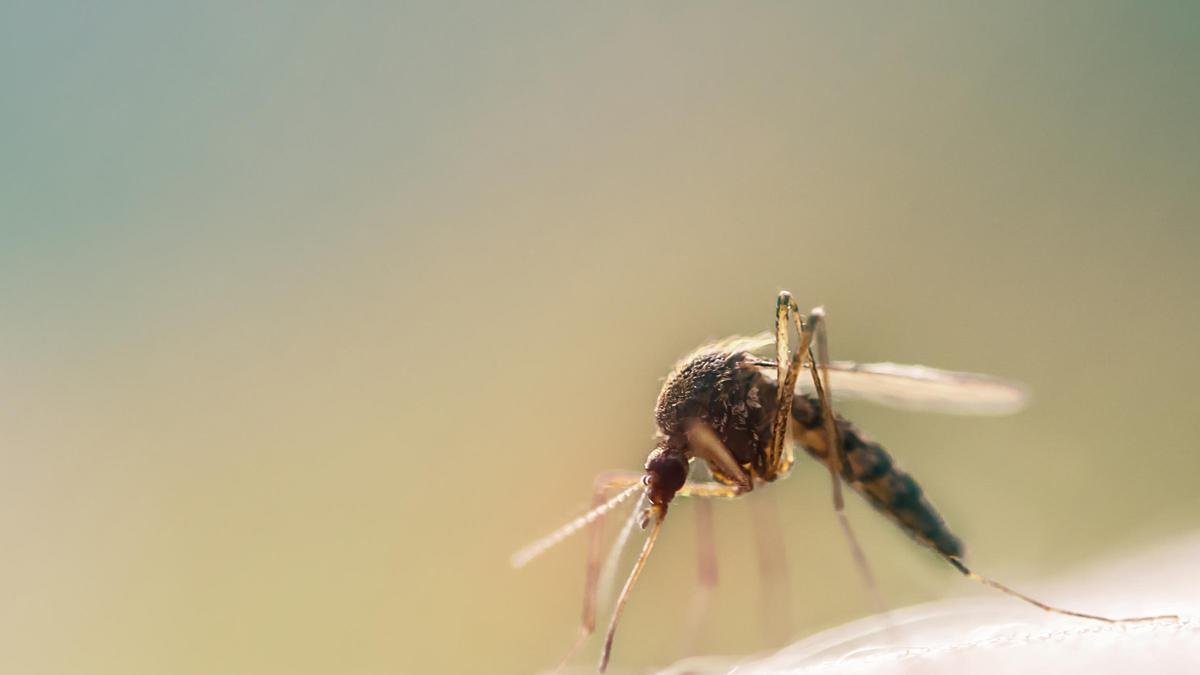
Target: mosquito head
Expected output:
[666,472]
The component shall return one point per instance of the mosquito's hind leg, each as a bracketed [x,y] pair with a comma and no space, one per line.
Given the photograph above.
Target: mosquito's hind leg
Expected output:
[992,583]
[812,327]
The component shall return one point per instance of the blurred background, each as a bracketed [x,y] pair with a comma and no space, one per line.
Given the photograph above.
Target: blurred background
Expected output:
[312,314]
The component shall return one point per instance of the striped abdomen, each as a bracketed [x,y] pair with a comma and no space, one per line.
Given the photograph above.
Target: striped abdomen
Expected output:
[872,473]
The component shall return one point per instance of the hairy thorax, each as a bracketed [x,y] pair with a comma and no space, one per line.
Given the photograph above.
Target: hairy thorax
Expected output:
[726,391]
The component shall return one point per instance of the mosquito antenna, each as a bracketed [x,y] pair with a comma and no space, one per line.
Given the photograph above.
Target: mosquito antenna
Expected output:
[958,564]
[659,516]
[608,573]
[523,556]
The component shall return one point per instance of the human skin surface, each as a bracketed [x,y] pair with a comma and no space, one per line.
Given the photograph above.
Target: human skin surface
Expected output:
[990,636]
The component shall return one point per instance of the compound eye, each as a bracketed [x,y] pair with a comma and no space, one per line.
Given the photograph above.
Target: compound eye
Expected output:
[665,474]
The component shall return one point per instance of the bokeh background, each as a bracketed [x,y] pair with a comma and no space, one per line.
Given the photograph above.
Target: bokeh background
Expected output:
[313,313]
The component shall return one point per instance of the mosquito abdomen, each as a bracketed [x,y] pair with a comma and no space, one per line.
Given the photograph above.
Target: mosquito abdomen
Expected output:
[894,492]
[872,473]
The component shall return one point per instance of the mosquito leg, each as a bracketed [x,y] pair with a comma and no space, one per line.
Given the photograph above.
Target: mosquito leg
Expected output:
[783,397]
[658,514]
[958,565]
[810,326]
[772,567]
[705,490]
[604,482]
[704,444]
[709,490]
[835,455]
[706,568]
[706,550]
[779,458]
[608,573]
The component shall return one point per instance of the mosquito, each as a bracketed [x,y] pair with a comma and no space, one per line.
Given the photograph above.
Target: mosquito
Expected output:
[741,414]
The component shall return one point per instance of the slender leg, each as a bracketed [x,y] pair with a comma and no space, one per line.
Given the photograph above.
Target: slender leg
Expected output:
[657,515]
[604,482]
[808,328]
[706,549]
[706,568]
[608,573]
[778,461]
[783,398]
[814,325]
[958,565]
[709,490]
[704,444]
[772,566]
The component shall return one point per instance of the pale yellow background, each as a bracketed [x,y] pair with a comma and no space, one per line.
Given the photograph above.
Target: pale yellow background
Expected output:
[310,314]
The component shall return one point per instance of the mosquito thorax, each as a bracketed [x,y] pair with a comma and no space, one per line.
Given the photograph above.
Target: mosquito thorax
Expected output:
[724,390]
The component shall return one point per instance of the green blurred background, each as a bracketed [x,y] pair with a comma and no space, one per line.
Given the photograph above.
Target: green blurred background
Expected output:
[313,313]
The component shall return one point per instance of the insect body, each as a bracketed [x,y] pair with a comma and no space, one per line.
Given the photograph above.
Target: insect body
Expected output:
[741,414]
[734,393]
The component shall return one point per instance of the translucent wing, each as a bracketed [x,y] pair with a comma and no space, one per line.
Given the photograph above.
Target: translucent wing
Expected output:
[923,388]
[906,387]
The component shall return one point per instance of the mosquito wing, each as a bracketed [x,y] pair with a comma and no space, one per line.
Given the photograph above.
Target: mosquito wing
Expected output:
[923,388]
[902,386]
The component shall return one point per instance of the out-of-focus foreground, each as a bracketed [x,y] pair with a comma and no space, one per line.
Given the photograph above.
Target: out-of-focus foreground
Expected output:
[312,314]
[990,636]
